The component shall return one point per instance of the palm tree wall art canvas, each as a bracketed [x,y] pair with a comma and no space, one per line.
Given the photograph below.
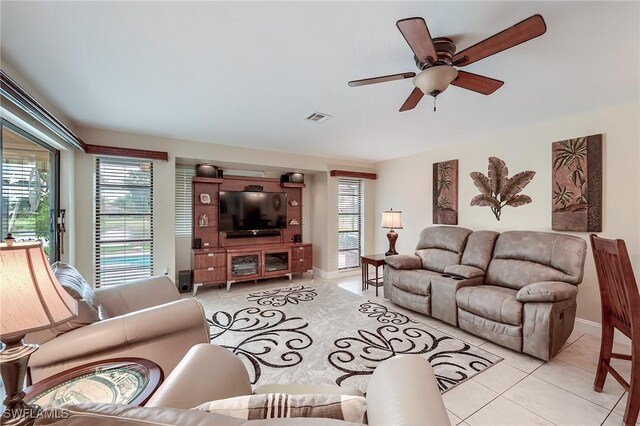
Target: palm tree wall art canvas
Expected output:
[577,184]
[445,192]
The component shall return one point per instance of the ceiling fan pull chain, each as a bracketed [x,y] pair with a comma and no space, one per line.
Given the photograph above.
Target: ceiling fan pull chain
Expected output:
[434,103]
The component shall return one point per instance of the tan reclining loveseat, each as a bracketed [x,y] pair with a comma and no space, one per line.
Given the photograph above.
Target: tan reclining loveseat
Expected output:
[517,289]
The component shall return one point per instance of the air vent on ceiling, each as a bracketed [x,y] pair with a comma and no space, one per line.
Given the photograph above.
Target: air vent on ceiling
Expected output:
[318,117]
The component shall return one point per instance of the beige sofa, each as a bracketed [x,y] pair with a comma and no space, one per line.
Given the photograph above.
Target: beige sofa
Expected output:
[145,319]
[401,391]
[517,289]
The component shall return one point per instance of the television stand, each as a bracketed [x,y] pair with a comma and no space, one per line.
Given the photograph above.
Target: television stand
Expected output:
[253,234]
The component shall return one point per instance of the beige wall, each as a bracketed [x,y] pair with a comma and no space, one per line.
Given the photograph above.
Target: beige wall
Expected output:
[171,253]
[405,184]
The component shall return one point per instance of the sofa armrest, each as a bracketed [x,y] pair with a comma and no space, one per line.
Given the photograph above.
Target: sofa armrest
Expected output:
[206,373]
[464,271]
[404,261]
[547,291]
[136,295]
[122,331]
[403,391]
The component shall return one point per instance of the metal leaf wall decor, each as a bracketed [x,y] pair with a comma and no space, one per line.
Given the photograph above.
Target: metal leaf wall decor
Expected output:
[499,190]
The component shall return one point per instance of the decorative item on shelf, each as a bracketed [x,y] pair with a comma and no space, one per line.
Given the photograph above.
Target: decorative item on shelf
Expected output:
[197,243]
[206,170]
[9,240]
[445,192]
[294,203]
[297,238]
[292,178]
[391,219]
[294,222]
[499,190]
[577,184]
[203,220]
[205,198]
[31,300]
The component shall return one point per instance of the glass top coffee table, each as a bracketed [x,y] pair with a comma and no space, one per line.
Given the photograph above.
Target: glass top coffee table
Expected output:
[117,381]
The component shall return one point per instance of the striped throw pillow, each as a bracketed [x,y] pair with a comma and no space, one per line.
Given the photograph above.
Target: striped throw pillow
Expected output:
[280,405]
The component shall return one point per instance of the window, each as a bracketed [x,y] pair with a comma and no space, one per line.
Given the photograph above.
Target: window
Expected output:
[28,188]
[183,201]
[349,223]
[124,220]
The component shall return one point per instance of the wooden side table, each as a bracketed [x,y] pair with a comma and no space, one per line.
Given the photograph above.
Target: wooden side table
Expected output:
[376,260]
[118,381]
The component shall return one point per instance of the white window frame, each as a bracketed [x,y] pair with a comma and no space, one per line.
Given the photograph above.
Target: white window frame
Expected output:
[105,276]
[359,227]
[184,202]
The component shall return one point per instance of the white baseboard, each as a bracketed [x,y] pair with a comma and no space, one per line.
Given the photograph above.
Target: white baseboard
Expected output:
[334,274]
[595,329]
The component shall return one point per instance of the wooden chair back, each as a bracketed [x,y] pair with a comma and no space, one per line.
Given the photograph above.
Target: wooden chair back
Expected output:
[618,287]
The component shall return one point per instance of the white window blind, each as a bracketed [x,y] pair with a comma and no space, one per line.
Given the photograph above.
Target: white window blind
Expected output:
[349,223]
[183,201]
[124,220]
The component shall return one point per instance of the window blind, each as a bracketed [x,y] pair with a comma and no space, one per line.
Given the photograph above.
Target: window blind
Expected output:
[183,201]
[349,223]
[124,220]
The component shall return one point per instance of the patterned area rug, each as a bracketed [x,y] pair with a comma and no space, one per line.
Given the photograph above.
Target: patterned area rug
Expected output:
[318,333]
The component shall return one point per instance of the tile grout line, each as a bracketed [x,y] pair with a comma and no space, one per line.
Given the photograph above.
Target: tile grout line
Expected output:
[579,396]
[509,388]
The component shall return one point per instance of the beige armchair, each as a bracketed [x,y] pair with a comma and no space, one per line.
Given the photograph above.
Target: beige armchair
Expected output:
[144,319]
[401,391]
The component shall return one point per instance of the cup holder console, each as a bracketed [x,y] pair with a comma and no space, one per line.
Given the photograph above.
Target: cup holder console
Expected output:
[453,277]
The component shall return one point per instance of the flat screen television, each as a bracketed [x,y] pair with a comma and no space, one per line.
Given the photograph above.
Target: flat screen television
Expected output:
[252,211]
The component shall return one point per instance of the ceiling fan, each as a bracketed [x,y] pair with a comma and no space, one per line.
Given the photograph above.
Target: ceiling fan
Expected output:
[437,59]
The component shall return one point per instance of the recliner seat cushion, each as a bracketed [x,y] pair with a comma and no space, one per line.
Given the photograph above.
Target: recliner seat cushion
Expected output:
[479,249]
[525,257]
[415,302]
[416,281]
[495,303]
[441,246]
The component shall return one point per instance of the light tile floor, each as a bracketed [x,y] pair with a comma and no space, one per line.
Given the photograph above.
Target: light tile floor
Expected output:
[521,390]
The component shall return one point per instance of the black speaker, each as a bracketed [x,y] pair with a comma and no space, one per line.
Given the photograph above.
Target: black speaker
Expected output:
[197,243]
[292,178]
[206,170]
[184,282]
[297,238]
[254,188]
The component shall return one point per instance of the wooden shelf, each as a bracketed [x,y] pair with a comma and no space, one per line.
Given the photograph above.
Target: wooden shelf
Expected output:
[292,185]
[207,180]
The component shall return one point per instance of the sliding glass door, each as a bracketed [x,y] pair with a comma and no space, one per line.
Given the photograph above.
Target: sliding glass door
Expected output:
[29,202]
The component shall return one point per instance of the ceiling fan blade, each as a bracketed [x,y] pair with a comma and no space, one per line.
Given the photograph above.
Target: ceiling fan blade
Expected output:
[412,100]
[382,79]
[416,33]
[477,83]
[526,30]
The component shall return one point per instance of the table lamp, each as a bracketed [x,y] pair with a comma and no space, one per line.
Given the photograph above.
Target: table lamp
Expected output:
[31,299]
[391,219]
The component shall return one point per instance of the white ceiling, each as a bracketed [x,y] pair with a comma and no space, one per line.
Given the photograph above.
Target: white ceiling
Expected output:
[245,74]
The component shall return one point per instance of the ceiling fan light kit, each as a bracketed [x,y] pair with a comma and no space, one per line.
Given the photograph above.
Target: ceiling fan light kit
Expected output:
[437,61]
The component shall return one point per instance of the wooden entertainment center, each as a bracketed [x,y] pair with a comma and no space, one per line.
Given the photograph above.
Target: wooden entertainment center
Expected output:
[221,257]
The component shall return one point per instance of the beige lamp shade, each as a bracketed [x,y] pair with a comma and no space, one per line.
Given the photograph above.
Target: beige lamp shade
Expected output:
[31,298]
[435,80]
[391,219]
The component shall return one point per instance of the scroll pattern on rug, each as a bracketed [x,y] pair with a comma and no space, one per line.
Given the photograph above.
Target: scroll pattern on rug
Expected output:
[327,335]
